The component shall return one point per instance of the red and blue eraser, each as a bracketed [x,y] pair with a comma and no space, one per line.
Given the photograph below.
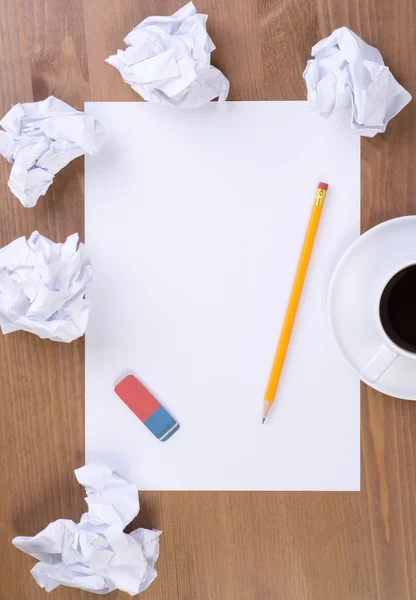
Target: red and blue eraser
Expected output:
[146,408]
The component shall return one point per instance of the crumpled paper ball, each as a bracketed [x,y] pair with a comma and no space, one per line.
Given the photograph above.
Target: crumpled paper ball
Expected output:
[41,138]
[94,554]
[42,287]
[168,60]
[348,73]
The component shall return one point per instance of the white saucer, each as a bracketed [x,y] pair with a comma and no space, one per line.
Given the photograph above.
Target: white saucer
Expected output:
[353,299]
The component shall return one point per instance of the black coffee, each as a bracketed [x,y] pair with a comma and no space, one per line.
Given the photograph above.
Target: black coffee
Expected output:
[398,309]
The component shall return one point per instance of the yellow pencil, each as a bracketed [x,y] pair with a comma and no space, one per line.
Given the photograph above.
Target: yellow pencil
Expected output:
[294,299]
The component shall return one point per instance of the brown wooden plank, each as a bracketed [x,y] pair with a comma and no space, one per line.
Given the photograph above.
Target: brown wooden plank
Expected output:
[215,546]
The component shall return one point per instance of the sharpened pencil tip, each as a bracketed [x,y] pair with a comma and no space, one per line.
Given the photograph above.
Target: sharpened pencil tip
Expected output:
[262,421]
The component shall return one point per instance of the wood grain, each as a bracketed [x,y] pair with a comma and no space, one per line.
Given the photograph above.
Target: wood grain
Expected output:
[215,546]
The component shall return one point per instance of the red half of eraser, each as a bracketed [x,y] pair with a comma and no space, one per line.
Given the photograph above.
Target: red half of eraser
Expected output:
[137,397]
[323,186]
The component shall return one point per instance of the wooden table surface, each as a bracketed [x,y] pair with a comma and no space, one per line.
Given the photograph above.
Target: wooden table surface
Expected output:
[215,546]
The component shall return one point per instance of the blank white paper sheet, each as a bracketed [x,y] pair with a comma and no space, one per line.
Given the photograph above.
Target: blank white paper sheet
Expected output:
[194,222]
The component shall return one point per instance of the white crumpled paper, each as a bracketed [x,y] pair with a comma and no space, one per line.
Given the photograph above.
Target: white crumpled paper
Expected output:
[41,138]
[347,72]
[42,287]
[95,555]
[168,60]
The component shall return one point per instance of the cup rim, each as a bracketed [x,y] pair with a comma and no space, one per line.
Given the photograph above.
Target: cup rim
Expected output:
[386,339]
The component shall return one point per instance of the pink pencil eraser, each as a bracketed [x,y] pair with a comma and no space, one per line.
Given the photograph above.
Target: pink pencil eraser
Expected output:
[323,186]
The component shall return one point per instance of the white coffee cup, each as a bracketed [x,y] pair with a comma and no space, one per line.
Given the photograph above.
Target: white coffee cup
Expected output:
[388,351]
